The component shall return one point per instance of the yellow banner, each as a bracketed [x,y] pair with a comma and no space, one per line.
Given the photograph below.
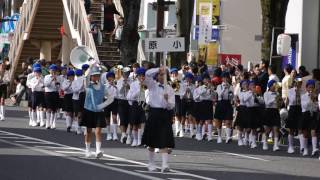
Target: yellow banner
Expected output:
[212,54]
[215,6]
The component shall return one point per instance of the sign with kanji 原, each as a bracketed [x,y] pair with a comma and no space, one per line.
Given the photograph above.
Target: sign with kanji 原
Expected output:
[230,59]
[165,44]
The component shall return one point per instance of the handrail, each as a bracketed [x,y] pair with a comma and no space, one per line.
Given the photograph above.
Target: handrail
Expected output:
[27,14]
[79,25]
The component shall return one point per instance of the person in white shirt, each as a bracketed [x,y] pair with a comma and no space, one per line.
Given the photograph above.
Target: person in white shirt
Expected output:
[30,76]
[254,101]
[271,120]
[294,115]
[272,74]
[37,88]
[136,97]
[286,82]
[52,86]
[78,88]
[4,81]
[310,112]
[67,100]
[112,109]
[241,121]
[186,92]
[158,131]
[179,118]
[205,94]
[224,108]
[123,87]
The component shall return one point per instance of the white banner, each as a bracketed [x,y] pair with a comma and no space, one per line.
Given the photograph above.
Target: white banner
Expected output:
[165,44]
[205,22]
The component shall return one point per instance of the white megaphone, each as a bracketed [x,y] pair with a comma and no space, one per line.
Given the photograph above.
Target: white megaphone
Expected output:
[81,55]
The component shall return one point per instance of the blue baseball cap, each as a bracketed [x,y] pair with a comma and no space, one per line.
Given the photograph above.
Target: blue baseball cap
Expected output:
[37,69]
[36,65]
[173,70]
[85,66]
[70,73]
[140,71]
[311,82]
[189,75]
[110,74]
[271,83]
[79,72]
[53,67]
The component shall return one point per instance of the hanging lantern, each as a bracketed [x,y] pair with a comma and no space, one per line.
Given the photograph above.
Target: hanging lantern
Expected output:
[283,44]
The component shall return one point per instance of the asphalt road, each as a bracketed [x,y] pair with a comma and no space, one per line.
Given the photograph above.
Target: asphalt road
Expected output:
[28,153]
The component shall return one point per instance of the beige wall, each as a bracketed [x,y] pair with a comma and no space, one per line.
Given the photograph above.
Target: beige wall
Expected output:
[243,22]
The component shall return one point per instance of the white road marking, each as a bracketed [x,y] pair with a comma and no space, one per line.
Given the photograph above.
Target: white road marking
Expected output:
[57,147]
[158,172]
[124,165]
[243,156]
[109,156]
[70,152]
[32,142]
[82,161]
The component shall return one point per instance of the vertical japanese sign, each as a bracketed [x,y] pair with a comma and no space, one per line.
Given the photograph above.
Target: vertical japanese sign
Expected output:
[205,23]
[215,11]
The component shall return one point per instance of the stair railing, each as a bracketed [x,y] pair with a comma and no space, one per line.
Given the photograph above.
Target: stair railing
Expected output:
[79,25]
[27,14]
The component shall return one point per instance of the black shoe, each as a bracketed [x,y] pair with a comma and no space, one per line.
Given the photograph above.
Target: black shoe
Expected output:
[48,128]
[38,124]
[69,129]
[204,137]
[178,133]
[124,140]
[193,136]
[229,141]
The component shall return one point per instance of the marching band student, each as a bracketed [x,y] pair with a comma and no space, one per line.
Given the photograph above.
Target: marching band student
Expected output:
[205,94]
[52,87]
[62,74]
[68,93]
[123,86]
[294,116]
[272,115]
[197,108]
[4,81]
[309,121]
[111,88]
[224,109]
[30,76]
[242,111]
[136,95]
[93,115]
[78,88]
[179,118]
[253,102]
[37,87]
[186,91]
[158,131]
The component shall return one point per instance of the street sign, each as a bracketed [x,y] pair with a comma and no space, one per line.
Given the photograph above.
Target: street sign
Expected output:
[165,44]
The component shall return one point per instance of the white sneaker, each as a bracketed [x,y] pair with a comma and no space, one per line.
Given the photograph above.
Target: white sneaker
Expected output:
[181,134]
[198,137]
[128,141]
[245,142]
[34,124]
[79,131]
[88,154]
[240,142]
[152,168]
[99,154]
[265,146]
[115,137]
[305,152]
[290,150]
[228,140]
[123,136]
[30,122]
[139,142]
[134,143]
[42,124]
[1,118]
[276,147]
[109,137]
[210,138]
[219,140]
[253,145]
[165,169]
[314,152]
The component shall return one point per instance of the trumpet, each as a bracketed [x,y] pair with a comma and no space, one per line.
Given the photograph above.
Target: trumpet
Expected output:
[175,85]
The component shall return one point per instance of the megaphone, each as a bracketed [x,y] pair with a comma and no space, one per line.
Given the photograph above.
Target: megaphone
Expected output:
[81,55]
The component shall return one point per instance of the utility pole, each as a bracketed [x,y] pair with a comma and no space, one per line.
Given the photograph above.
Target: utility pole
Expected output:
[160,22]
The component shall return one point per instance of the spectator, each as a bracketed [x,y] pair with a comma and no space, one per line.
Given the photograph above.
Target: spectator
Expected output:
[263,76]
[109,12]
[20,90]
[118,32]
[93,29]
[286,81]
[272,74]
